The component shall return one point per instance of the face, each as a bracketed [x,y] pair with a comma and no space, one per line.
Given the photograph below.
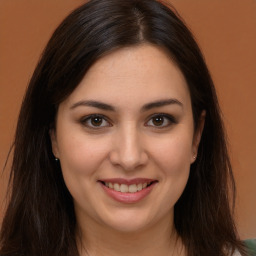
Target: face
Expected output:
[125,139]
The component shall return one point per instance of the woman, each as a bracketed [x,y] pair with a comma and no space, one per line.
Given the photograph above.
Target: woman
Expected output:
[120,148]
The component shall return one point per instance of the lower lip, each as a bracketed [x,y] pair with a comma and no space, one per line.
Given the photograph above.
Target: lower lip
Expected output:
[128,198]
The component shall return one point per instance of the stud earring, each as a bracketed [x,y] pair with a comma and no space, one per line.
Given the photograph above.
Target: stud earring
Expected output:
[56,159]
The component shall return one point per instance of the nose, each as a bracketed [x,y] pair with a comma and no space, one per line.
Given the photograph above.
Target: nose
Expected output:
[128,150]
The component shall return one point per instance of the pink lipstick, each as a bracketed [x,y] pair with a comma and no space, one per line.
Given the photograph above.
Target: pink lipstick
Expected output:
[128,191]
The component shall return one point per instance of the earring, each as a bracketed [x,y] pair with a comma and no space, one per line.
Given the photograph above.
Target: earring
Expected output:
[56,159]
[194,157]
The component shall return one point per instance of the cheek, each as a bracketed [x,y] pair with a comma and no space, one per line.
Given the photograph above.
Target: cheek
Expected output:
[80,157]
[173,154]
[172,159]
[80,161]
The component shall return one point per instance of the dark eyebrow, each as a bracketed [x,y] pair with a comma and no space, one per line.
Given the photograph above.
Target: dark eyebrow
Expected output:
[104,106]
[92,103]
[161,103]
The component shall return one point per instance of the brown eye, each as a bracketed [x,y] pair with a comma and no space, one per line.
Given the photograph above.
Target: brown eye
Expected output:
[158,120]
[161,121]
[95,121]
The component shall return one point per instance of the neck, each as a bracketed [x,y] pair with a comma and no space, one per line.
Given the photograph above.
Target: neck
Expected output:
[98,240]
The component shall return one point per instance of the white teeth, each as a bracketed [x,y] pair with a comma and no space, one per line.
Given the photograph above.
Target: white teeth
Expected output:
[124,188]
[139,187]
[133,188]
[116,187]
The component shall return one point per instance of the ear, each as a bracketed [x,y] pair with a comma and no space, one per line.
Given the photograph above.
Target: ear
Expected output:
[55,149]
[197,136]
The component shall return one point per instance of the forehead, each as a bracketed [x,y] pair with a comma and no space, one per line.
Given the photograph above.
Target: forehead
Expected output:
[133,75]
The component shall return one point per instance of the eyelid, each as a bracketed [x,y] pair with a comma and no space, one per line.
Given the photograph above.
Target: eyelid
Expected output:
[84,119]
[171,119]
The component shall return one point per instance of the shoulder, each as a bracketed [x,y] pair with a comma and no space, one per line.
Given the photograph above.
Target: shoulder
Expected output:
[236,253]
[251,246]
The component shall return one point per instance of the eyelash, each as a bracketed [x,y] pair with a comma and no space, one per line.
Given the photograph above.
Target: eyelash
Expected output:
[167,118]
[87,119]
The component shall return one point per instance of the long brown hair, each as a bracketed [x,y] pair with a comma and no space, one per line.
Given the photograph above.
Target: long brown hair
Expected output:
[40,218]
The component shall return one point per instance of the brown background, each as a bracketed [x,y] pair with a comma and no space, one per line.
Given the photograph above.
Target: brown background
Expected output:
[226,32]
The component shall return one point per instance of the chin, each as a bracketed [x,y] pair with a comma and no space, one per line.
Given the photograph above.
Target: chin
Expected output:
[129,221]
[128,226]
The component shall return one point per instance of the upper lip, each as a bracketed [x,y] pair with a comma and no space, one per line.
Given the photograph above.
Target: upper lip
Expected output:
[128,181]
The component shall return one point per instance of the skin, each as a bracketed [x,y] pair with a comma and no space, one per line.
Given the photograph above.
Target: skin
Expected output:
[127,143]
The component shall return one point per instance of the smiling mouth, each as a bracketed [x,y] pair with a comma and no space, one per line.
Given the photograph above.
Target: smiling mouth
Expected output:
[125,188]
